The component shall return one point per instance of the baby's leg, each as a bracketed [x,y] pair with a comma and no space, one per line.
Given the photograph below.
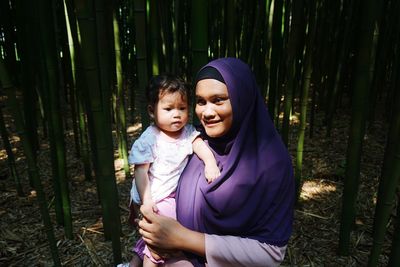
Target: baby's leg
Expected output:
[150,259]
[166,207]
[148,263]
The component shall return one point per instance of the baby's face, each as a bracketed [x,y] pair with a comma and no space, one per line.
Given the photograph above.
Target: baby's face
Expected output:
[171,113]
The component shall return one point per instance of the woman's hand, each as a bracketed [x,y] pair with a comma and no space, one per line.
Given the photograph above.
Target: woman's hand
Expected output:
[160,231]
[166,234]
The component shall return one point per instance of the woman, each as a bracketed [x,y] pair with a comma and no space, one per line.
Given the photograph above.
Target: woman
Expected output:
[243,218]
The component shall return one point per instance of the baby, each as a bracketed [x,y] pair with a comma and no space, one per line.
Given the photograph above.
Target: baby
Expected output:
[161,152]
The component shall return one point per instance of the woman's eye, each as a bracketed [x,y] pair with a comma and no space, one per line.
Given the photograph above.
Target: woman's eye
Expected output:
[200,102]
[218,100]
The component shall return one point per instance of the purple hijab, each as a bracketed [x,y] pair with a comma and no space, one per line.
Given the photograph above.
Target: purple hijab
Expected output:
[254,195]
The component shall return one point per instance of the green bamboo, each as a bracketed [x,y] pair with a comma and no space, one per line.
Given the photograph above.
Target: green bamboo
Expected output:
[199,38]
[27,53]
[57,145]
[46,80]
[64,63]
[32,167]
[316,75]
[167,35]
[256,30]
[308,68]
[175,30]
[141,58]
[121,114]
[78,85]
[67,70]
[154,37]
[388,183]
[387,31]
[129,68]
[221,30]
[230,27]
[214,17]
[185,66]
[361,85]
[99,115]
[282,63]
[322,45]
[261,57]
[394,257]
[334,29]
[276,48]
[10,155]
[259,43]
[291,68]
[72,80]
[342,55]
[105,44]
[246,29]
[7,21]
[390,173]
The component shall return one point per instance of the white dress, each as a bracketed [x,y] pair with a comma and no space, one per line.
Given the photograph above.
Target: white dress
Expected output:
[167,159]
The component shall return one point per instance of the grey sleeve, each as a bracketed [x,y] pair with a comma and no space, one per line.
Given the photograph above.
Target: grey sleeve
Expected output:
[238,251]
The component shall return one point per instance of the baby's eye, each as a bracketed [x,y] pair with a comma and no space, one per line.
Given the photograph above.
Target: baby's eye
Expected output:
[167,109]
[182,108]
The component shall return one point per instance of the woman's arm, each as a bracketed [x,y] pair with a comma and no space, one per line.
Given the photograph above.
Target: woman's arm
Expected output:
[164,234]
[143,187]
[241,252]
[168,234]
[201,149]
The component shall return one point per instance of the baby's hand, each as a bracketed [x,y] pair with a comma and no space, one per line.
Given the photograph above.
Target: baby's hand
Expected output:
[211,172]
[150,206]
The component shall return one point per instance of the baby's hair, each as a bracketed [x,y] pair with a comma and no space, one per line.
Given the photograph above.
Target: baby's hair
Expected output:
[165,83]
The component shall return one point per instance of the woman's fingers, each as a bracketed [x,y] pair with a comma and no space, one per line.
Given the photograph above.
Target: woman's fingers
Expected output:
[145,225]
[158,230]
[148,241]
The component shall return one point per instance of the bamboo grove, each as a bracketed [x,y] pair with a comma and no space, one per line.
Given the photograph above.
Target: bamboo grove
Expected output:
[85,63]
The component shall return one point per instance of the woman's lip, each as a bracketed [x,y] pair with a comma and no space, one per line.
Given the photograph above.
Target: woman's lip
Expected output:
[211,123]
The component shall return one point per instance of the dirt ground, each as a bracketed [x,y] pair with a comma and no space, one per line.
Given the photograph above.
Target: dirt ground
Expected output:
[316,226]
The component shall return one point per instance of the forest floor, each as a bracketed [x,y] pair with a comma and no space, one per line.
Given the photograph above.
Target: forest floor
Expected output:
[317,220]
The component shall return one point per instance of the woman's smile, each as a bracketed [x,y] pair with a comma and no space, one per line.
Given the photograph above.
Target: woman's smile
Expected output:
[211,123]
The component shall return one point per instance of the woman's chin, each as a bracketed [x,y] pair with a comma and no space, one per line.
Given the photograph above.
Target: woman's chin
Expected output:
[214,132]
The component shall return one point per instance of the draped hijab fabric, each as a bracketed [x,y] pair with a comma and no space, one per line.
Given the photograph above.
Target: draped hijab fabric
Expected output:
[254,195]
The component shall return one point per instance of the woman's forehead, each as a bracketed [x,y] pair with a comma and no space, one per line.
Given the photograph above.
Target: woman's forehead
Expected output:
[208,87]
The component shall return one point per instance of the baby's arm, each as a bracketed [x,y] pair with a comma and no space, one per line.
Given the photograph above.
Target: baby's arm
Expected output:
[204,153]
[143,187]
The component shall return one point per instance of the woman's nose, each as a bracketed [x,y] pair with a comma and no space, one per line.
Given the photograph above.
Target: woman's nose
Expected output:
[208,111]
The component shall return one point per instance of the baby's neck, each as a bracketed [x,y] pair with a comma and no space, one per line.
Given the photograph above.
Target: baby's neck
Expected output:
[171,136]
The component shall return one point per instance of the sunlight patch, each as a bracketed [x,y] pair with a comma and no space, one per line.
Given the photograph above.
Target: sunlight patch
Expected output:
[134,128]
[314,189]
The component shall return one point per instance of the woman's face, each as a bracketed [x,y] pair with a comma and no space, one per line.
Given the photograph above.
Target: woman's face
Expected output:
[213,107]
